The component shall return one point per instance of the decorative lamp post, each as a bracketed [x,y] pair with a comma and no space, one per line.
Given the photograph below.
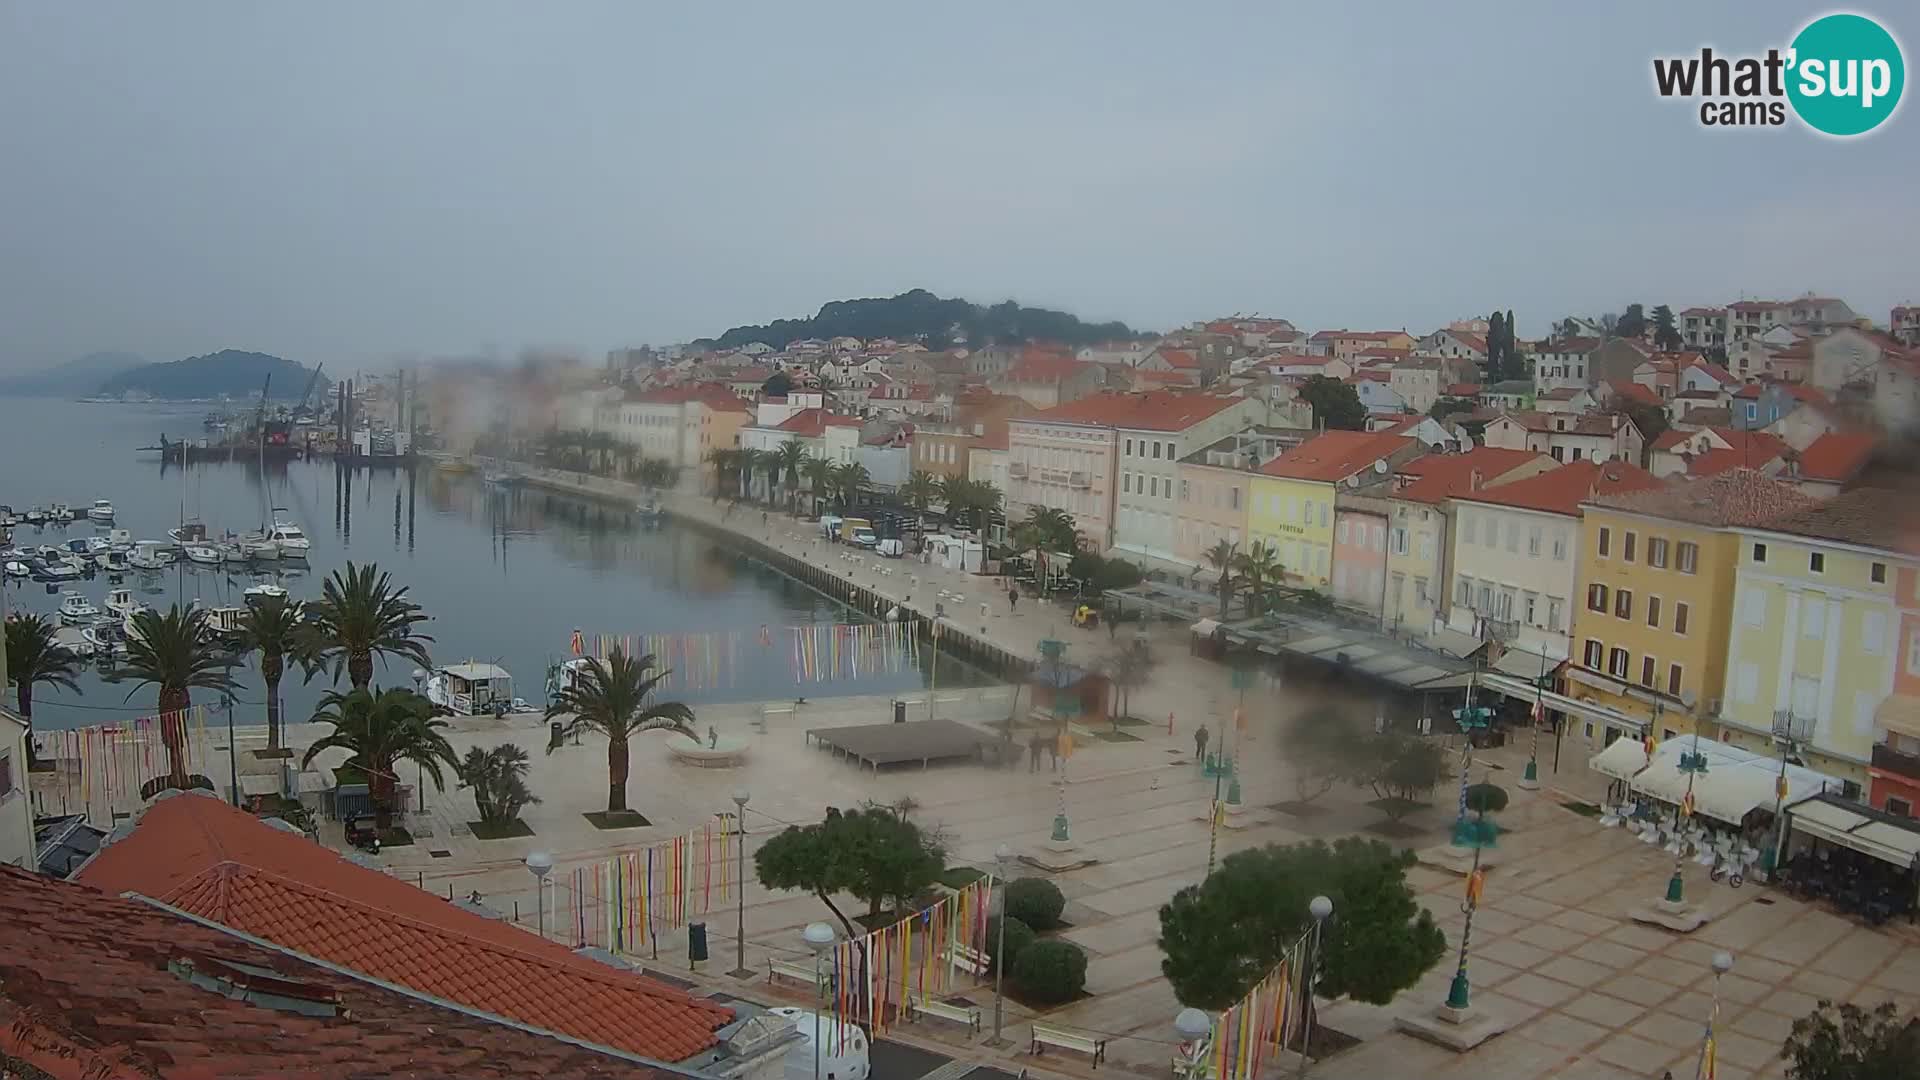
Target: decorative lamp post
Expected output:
[1319,907]
[1530,779]
[1002,861]
[419,770]
[819,937]
[1693,763]
[1471,718]
[1458,996]
[1790,732]
[540,864]
[740,799]
[1195,1029]
[1703,1068]
[1062,837]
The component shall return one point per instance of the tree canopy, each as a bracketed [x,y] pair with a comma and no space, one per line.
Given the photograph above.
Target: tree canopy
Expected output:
[1335,404]
[918,315]
[870,853]
[1665,335]
[1220,937]
[1847,1042]
[1632,323]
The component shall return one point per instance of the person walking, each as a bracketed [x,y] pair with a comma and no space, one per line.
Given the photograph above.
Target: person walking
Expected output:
[1200,745]
[1013,598]
[1113,629]
[1033,752]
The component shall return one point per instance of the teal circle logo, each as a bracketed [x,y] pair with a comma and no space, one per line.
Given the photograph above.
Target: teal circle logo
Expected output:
[1846,75]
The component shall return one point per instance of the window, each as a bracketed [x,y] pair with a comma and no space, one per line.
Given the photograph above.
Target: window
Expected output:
[1556,452]
[1877,573]
[1817,562]
[1673,679]
[1183,490]
[6,775]
[1426,546]
[1759,553]
[1606,540]
[1680,619]
[1813,621]
[1399,539]
[1623,603]
[1463,597]
[1592,655]
[1559,546]
[1899,807]
[1513,536]
[1648,665]
[1420,591]
[1597,598]
[1618,662]
[1341,532]
[1129,447]
[1493,532]
[1532,605]
[1126,483]
[1533,540]
[1503,606]
[1626,546]
[1234,502]
[1656,552]
[1589,730]
[1554,605]
[1687,557]
[1653,611]
[1156,451]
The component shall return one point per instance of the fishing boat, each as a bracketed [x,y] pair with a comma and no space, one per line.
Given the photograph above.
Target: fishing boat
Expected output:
[188,532]
[263,591]
[101,510]
[36,515]
[286,535]
[150,555]
[119,603]
[60,512]
[75,608]
[105,636]
[472,689]
[114,561]
[204,554]
[224,621]
[232,554]
[79,549]
[257,548]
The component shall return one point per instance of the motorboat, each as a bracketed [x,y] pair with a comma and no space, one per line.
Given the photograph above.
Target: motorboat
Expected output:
[232,553]
[17,569]
[204,554]
[78,549]
[36,515]
[472,689]
[75,608]
[150,555]
[101,510]
[495,478]
[60,512]
[121,539]
[257,548]
[114,561]
[262,591]
[59,570]
[223,621]
[188,532]
[106,636]
[292,542]
[119,603]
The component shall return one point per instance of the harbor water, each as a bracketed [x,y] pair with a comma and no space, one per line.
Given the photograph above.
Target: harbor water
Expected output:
[506,574]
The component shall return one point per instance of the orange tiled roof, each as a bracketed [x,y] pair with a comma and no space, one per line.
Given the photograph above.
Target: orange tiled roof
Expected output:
[811,423]
[1151,410]
[1334,455]
[1889,520]
[1633,391]
[1562,490]
[213,861]
[1438,477]
[1837,456]
[1180,359]
[87,991]
[1042,365]
[1738,496]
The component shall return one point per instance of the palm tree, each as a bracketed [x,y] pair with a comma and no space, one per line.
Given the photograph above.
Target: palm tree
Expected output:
[381,730]
[33,656]
[175,653]
[1221,557]
[985,501]
[750,460]
[726,466]
[920,490]
[850,479]
[614,699]
[272,629]
[770,464]
[1056,528]
[787,457]
[360,614]
[1259,566]
[498,777]
[819,474]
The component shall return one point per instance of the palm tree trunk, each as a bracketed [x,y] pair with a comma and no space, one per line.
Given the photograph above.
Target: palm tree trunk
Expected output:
[174,703]
[360,668]
[380,781]
[26,714]
[271,668]
[617,774]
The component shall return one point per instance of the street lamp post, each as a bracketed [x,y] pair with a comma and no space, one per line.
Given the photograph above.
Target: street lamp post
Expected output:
[819,937]
[1471,718]
[540,864]
[420,770]
[1703,1067]
[1789,732]
[1459,992]
[1692,763]
[1192,1025]
[1319,907]
[1002,860]
[1530,779]
[740,797]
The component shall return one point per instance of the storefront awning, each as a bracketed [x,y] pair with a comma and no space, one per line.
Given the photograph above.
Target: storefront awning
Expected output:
[1452,642]
[1206,627]
[1735,783]
[1621,760]
[1522,664]
[1868,832]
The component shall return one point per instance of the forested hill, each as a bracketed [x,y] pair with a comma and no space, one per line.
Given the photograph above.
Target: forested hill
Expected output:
[229,371]
[921,316]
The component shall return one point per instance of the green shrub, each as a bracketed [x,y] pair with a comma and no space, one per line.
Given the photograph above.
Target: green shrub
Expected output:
[1036,902]
[959,877]
[1050,972]
[1486,798]
[1019,936]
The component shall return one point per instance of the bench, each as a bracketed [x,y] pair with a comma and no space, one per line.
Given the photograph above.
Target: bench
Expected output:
[807,974]
[960,1014]
[967,959]
[1095,1046]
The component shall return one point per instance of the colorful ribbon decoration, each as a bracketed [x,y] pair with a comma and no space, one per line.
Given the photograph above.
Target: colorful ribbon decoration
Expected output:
[108,763]
[1264,1020]
[820,652]
[620,903]
[877,976]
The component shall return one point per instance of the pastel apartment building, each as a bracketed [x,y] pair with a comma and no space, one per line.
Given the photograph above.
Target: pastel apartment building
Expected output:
[1154,431]
[1293,496]
[1216,484]
[1420,529]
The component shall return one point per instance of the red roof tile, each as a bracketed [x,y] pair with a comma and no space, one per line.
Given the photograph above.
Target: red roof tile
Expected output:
[1872,517]
[1562,490]
[86,990]
[1045,366]
[1151,410]
[1836,456]
[1438,477]
[1470,340]
[1633,391]
[206,858]
[812,423]
[1718,460]
[1180,358]
[1720,375]
[1671,438]
[1334,455]
[1735,497]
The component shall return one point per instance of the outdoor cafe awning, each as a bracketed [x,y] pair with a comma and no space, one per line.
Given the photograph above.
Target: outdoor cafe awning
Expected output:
[1736,782]
[1522,664]
[1206,627]
[1620,760]
[1868,832]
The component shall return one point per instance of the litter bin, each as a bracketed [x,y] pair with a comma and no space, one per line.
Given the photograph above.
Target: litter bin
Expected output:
[556,734]
[696,941]
[899,711]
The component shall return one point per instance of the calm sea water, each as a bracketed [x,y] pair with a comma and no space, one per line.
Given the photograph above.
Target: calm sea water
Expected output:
[506,576]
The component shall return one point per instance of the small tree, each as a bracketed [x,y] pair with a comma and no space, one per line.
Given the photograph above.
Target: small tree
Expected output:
[873,854]
[1414,767]
[1128,667]
[1335,404]
[1035,901]
[498,778]
[1847,1042]
[1220,937]
[1665,336]
[1324,747]
[1050,972]
[1019,936]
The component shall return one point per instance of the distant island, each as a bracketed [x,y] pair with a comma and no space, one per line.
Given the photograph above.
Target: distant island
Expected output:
[82,375]
[228,373]
[923,317]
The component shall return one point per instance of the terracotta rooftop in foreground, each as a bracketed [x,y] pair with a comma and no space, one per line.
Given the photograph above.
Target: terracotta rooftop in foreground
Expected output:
[1871,517]
[210,860]
[1837,456]
[1438,477]
[1562,490]
[1735,497]
[1151,410]
[86,990]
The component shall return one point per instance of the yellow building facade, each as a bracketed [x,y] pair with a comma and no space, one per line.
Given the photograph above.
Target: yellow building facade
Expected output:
[1295,519]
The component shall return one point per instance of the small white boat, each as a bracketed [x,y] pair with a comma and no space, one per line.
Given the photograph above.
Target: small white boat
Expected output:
[114,561]
[150,555]
[263,591]
[36,515]
[292,542]
[472,689]
[101,510]
[204,554]
[60,570]
[106,637]
[17,569]
[59,512]
[231,553]
[120,538]
[257,548]
[189,532]
[75,608]
[119,603]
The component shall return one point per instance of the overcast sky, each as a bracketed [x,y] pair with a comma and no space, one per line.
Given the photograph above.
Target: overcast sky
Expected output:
[347,182]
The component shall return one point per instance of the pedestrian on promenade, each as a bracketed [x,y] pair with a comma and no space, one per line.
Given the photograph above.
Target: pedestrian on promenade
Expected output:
[1113,629]
[1053,751]
[1033,752]
[1013,598]
[1200,745]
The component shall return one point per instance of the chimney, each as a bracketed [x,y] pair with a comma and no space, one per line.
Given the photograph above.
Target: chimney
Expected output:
[1616,420]
[1473,480]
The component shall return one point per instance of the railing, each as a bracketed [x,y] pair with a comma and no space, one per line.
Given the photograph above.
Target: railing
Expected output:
[1080,479]
[1017,470]
[1895,761]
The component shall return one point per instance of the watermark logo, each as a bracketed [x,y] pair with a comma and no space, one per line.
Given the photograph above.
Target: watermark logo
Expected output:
[1842,75]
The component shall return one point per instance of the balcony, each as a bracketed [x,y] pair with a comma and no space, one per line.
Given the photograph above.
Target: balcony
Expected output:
[1054,476]
[1080,479]
[1017,470]
[1887,759]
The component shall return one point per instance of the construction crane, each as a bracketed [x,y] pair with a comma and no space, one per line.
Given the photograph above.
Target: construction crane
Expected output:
[260,418]
[311,383]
